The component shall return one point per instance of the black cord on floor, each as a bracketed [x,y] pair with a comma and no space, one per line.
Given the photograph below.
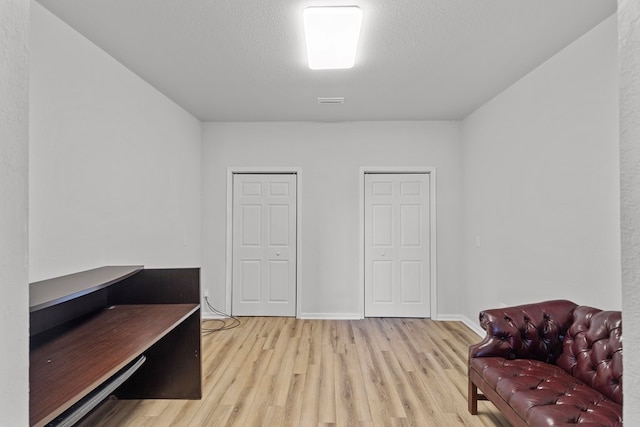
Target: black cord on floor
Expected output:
[225,317]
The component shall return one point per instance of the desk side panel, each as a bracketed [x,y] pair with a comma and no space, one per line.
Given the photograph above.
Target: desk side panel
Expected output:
[173,366]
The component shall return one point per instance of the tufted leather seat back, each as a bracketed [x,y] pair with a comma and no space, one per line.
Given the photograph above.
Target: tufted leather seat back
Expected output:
[531,331]
[592,350]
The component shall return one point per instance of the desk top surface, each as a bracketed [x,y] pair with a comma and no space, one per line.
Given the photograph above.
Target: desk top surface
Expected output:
[65,369]
[47,293]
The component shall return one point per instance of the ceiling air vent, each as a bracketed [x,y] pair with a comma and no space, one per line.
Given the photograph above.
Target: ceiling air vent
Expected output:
[334,100]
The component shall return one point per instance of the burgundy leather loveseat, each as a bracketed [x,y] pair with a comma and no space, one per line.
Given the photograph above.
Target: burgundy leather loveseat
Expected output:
[549,364]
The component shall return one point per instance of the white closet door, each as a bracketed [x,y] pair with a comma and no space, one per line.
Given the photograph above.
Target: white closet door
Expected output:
[264,245]
[397,245]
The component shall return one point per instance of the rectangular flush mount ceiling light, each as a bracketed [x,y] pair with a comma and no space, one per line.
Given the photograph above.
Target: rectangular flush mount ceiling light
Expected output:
[332,36]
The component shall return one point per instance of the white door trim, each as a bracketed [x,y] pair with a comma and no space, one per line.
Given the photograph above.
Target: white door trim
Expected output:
[229,256]
[432,227]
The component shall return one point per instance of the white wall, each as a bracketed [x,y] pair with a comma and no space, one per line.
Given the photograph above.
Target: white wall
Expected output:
[331,155]
[541,190]
[115,165]
[14,140]
[629,45]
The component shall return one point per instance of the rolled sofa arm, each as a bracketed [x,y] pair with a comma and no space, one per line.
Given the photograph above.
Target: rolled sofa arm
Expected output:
[530,331]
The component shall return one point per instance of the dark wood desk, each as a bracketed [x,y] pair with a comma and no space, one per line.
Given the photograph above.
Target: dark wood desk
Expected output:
[84,335]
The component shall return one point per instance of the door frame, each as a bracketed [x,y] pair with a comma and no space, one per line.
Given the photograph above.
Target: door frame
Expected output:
[431,171]
[231,171]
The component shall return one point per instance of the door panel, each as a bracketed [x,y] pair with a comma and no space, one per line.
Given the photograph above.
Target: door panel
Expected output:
[264,245]
[382,225]
[411,279]
[250,280]
[251,225]
[278,278]
[397,245]
[382,280]
[410,235]
[278,225]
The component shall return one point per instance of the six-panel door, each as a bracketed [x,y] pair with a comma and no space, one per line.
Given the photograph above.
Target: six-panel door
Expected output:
[397,245]
[264,245]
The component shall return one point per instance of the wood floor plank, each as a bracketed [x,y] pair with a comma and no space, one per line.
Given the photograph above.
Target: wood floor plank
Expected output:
[263,400]
[301,360]
[352,360]
[251,380]
[377,394]
[292,409]
[285,372]
[327,403]
[279,347]
[246,374]
[413,408]
[352,405]
[311,397]
[380,376]
[273,417]
[291,372]
[315,341]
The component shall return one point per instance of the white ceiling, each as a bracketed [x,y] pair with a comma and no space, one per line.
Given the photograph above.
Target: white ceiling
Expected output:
[244,60]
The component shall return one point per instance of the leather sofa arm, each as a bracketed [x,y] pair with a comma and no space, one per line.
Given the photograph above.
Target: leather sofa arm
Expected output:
[530,331]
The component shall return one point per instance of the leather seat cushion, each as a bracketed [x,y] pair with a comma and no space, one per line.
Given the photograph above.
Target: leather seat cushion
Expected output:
[545,395]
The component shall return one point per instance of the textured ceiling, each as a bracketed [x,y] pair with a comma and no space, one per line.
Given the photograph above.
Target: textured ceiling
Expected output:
[244,60]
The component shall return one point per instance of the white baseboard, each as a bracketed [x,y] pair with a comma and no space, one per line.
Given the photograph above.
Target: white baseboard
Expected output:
[304,316]
[356,316]
[210,316]
[464,319]
[330,316]
[474,326]
[449,317]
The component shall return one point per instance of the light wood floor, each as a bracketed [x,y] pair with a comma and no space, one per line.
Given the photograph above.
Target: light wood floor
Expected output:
[289,372]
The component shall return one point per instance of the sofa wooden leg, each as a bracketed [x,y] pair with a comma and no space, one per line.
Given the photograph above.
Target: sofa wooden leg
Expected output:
[472,398]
